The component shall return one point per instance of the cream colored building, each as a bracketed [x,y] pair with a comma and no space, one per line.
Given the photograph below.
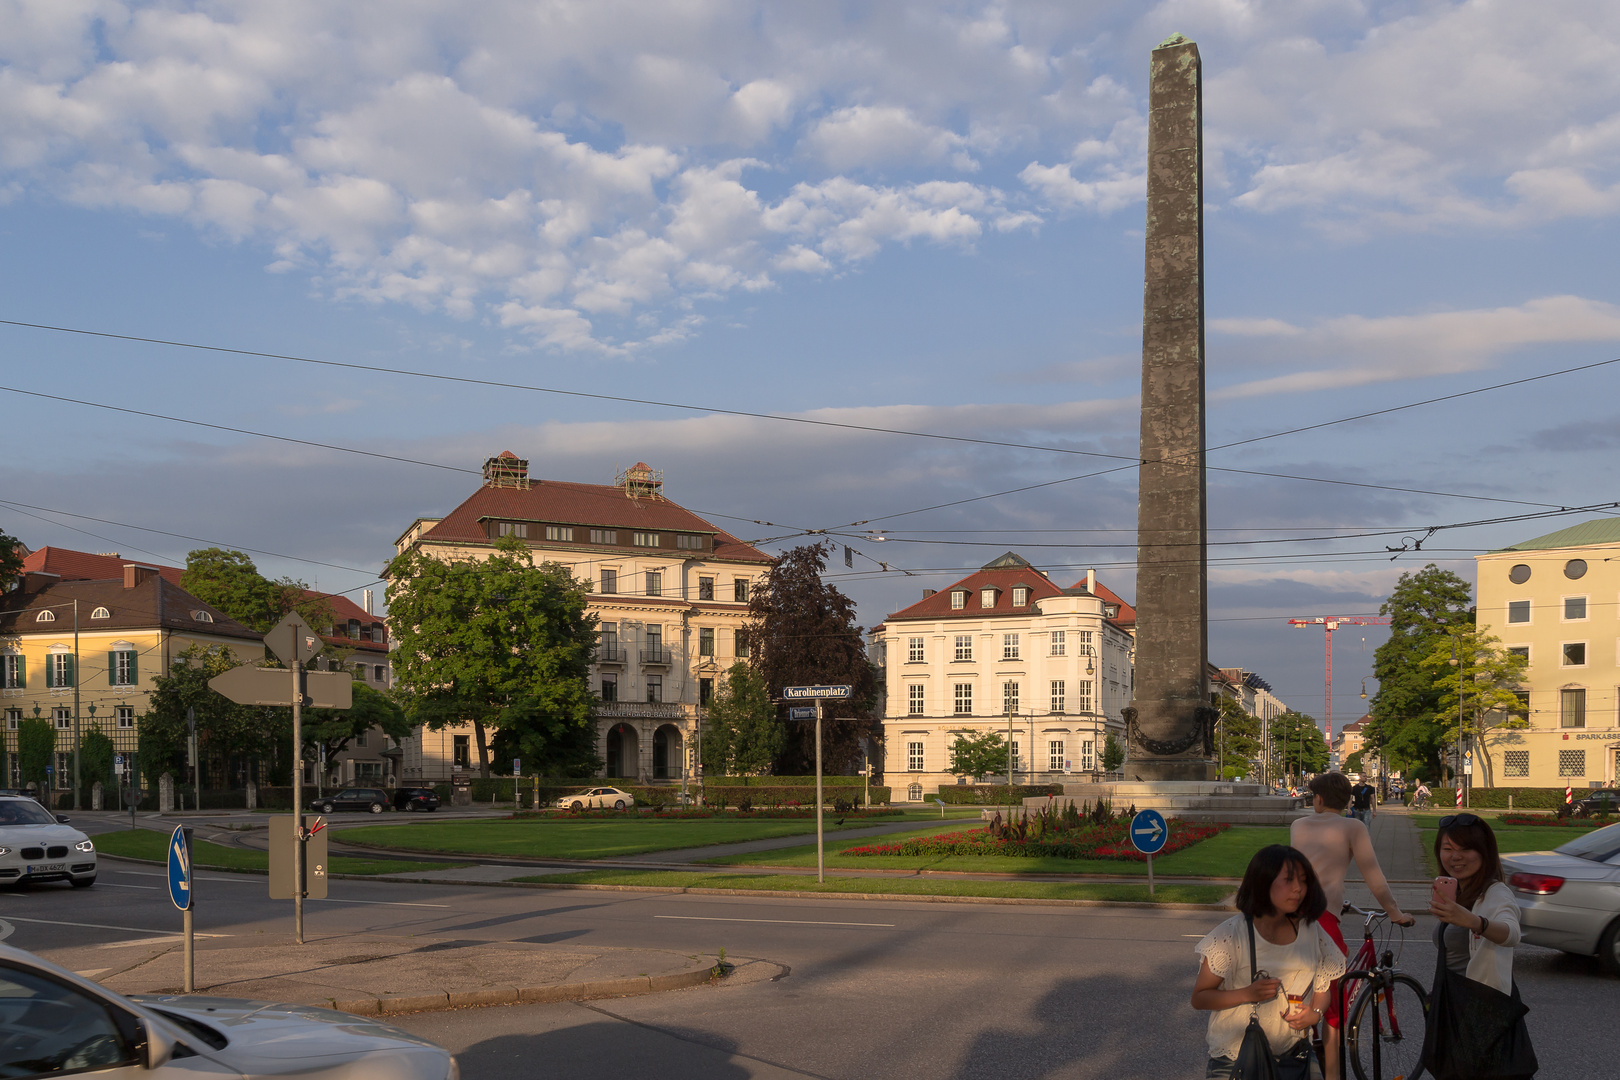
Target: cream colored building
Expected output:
[670,591]
[1004,644]
[1556,600]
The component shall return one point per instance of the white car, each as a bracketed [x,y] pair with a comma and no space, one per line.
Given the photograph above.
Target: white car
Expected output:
[597,797]
[37,845]
[52,1021]
[1569,898]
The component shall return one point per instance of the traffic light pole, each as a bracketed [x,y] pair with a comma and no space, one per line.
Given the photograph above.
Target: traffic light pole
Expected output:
[298,799]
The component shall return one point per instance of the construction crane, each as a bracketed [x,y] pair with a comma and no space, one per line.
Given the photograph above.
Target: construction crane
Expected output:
[1330,623]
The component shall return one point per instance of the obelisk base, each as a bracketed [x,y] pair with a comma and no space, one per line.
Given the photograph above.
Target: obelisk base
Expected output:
[1178,769]
[1172,740]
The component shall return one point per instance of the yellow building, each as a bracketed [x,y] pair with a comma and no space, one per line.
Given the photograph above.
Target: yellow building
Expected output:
[83,654]
[1556,601]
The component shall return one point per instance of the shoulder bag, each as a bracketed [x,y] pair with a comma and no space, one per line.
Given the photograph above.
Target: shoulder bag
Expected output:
[1474,1031]
[1255,1061]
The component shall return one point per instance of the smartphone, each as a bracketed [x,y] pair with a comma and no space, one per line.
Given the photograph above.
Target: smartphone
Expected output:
[1446,889]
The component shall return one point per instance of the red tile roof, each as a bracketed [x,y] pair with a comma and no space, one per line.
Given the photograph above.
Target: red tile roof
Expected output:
[1003,574]
[565,503]
[72,565]
[156,602]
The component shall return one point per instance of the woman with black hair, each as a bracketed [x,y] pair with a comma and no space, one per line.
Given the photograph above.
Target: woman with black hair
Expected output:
[1285,984]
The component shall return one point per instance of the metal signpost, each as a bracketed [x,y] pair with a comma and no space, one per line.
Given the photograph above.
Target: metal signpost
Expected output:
[1149,834]
[517,771]
[292,641]
[818,694]
[180,892]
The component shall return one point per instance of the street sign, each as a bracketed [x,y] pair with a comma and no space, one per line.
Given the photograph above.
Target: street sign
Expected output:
[1149,832]
[284,849]
[292,640]
[810,693]
[180,868]
[801,712]
[517,766]
[273,686]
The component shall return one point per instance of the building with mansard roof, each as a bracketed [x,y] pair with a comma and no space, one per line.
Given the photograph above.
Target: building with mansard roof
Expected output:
[670,591]
[1005,648]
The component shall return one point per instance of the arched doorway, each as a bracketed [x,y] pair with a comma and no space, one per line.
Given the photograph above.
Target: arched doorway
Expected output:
[667,759]
[623,751]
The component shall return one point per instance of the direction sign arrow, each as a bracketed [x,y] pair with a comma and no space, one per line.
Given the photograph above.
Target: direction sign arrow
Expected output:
[180,869]
[1148,831]
[273,686]
[292,640]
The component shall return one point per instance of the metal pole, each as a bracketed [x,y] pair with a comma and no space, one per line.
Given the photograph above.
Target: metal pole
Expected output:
[820,852]
[1150,875]
[77,798]
[191,957]
[298,798]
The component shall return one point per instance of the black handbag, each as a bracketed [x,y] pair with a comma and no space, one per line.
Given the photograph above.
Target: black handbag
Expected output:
[1255,1061]
[1474,1031]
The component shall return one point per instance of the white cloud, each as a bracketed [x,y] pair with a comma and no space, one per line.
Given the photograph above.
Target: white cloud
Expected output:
[884,135]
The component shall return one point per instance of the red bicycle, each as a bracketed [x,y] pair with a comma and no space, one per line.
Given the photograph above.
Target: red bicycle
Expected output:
[1383,1032]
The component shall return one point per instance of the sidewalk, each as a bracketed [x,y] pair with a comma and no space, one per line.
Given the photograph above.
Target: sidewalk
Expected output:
[1400,854]
[371,976]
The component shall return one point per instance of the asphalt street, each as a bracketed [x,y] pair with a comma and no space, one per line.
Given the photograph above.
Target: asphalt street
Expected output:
[864,989]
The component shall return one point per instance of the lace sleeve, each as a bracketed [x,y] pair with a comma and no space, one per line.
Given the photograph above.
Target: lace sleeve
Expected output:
[1329,961]
[1219,950]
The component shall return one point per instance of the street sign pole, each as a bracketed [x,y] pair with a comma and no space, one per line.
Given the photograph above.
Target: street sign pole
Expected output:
[182,895]
[1148,834]
[821,858]
[297,667]
[819,694]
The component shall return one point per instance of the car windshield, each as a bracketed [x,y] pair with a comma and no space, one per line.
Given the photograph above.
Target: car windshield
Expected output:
[1599,845]
[24,812]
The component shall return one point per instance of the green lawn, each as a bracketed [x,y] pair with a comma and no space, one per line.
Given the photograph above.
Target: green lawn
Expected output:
[1031,890]
[154,847]
[1225,855]
[1508,837]
[561,838]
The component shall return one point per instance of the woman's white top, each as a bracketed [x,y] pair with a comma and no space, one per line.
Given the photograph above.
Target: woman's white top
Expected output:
[1488,962]
[1308,965]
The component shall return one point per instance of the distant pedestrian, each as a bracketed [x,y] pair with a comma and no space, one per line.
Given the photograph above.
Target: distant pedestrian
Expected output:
[1272,961]
[1363,802]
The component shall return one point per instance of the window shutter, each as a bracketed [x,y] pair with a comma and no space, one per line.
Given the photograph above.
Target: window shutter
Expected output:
[50,673]
[133,677]
[22,672]
[72,675]
[112,669]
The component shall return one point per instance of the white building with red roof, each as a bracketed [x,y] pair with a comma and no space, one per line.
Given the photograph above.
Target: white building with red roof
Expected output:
[1005,644]
[670,591]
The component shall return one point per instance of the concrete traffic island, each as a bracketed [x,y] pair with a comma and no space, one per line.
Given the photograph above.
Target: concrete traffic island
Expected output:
[376,975]
[1198,802]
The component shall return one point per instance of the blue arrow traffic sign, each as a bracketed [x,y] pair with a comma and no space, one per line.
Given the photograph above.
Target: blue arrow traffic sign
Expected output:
[180,868]
[1149,832]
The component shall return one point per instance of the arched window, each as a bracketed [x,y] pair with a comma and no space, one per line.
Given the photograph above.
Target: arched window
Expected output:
[202,616]
[45,616]
[101,613]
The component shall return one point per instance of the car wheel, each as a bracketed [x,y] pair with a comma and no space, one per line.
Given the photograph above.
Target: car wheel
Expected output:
[376,808]
[1609,949]
[618,804]
[410,807]
[577,805]
[84,882]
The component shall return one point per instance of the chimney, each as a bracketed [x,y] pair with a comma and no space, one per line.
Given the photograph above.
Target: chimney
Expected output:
[1091,582]
[37,581]
[136,575]
[506,470]
[929,592]
[365,598]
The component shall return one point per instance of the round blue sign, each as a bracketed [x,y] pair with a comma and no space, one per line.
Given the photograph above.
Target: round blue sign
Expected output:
[1149,833]
[180,869]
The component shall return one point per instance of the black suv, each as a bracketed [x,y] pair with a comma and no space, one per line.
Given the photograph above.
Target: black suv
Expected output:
[1598,802]
[416,798]
[371,799]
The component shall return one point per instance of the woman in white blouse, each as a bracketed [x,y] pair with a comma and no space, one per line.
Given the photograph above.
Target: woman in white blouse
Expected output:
[1478,929]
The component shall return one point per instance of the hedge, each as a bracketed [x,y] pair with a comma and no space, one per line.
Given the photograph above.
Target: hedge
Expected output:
[1524,798]
[785,781]
[993,794]
[787,794]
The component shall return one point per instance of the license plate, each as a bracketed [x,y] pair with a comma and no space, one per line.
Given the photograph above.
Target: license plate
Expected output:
[48,868]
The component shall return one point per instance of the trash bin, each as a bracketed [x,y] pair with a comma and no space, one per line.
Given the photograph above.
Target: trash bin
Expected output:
[460,790]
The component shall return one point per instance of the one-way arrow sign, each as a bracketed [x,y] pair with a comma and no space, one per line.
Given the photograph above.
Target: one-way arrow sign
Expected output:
[273,686]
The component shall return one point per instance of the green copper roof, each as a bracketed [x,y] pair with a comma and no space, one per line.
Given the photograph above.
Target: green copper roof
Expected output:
[1599,531]
[1172,41]
[1011,559]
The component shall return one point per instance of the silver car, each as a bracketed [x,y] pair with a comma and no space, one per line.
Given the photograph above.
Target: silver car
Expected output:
[1569,898]
[37,845]
[52,1021]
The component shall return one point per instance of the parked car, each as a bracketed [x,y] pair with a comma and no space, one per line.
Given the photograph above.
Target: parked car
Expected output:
[1569,898]
[373,800]
[597,797]
[56,1022]
[37,845]
[1605,801]
[416,798]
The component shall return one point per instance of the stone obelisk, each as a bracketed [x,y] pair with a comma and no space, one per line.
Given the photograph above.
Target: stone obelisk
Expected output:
[1170,722]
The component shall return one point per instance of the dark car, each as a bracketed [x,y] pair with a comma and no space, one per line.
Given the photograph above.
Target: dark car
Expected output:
[416,798]
[373,800]
[1598,802]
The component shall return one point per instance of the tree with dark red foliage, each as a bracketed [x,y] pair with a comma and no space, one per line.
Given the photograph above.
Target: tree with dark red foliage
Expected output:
[804,633]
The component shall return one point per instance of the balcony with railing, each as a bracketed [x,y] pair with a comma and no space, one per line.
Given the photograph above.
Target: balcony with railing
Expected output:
[656,657]
[611,654]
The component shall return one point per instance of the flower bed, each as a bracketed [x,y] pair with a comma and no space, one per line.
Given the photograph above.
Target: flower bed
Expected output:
[796,813]
[1091,842]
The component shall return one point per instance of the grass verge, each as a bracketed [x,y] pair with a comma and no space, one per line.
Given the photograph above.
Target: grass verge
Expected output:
[149,846]
[1020,890]
[1509,838]
[1225,855]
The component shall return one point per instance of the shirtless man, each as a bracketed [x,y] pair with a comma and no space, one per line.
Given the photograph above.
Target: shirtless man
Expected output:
[1330,841]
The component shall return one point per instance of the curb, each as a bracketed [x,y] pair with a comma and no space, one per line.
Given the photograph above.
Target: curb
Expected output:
[512,995]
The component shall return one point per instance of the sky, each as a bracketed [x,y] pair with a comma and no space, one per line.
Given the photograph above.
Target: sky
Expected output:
[920,217]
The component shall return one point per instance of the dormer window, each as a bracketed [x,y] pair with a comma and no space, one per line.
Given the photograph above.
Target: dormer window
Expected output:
[987,597]
[513,528]
[1111,611]
[202,616]
[101,613]
[1020,596]
[45,616]
[958,599]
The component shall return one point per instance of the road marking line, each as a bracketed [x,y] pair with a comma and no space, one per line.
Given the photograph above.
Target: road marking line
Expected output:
[379,903]
[117,885]
[249,881]
[788,922]
[90,973]
[6,929]
[104,926]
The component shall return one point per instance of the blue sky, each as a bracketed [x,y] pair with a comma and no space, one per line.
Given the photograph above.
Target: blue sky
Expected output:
[904,215]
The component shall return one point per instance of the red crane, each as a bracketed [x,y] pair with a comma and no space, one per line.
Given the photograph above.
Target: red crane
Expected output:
[1330,623]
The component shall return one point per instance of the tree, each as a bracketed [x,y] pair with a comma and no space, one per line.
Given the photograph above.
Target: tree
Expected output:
[742,735]
[1479,689]
[975,753]
[1113,755]
[231,582]
[36,745]
[1237,740]
[1297,745]
[498,643]
[11,560]
[1406,725]
[225,728]
[329,732]
[96,762]
[1353,763]
[804,633]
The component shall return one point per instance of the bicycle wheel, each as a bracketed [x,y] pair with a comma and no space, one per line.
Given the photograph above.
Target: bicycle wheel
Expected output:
[1384,1039]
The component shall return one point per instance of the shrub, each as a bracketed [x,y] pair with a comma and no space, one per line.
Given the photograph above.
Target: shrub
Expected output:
[994,794]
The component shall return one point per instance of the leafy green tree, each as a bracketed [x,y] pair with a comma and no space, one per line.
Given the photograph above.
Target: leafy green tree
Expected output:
[498,643]
[1406,719]
[1237,740]
[1474,672]
[231,582]
[1353,763]
[332,730]
[36,743]
[977,753]
[1113,755]
[1297,745]
[804,633]
[96,762]
[11,560]
[223,727]
[742,734]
